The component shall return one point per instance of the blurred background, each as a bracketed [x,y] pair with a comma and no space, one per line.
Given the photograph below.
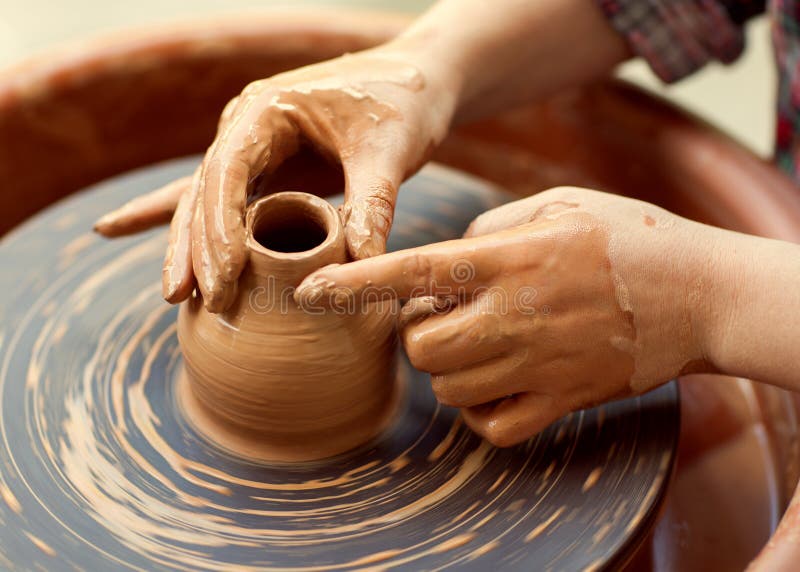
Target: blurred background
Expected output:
[737,98]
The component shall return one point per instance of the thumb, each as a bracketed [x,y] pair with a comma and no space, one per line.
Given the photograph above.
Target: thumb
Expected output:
[144,212]
[371,186]
[546,205]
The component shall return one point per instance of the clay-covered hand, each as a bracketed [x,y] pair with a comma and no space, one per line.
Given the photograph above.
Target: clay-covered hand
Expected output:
[556,302]
[378,114]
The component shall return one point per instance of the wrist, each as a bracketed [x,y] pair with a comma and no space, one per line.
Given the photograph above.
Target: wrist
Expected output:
[712,293]
[436,99]
[746,304]
[754,331]
[421,49]
[495,59]
[675,288]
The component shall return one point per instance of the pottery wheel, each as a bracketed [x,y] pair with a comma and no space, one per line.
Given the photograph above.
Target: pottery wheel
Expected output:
[99,470]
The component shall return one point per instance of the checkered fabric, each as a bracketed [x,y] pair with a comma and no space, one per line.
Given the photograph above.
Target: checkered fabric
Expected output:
[786,39]
[677,37]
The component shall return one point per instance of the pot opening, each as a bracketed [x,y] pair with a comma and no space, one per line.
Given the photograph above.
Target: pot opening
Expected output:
[290,226]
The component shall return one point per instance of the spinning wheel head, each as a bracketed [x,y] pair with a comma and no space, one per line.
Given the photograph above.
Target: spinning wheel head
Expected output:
[100,470]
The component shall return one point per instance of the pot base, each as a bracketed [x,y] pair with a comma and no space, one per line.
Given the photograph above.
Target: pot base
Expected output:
[256,447]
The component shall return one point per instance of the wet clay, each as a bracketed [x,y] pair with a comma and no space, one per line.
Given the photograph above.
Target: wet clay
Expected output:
[271,381]
[195,499]
[341,110]
[512,333]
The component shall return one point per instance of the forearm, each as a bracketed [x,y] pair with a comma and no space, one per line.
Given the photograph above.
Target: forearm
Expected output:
[755,310]
[502,53]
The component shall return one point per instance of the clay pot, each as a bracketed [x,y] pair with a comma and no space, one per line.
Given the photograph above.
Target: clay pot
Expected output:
[270,380]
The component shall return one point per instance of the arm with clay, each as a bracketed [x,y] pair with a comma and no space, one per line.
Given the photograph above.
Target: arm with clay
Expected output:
[573,297]
[381,112]
[377,113]
[554,289]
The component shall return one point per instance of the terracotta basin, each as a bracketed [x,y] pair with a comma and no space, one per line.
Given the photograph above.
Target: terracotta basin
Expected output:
[81,114]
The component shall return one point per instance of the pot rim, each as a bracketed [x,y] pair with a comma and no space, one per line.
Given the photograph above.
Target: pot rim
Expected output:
[313,205]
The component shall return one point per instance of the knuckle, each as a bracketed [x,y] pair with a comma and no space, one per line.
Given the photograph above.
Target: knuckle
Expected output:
[555,192]
[254,87]
[561,193]
[228,111]
[421,267]
[381,192]
[378,194]
[475,228]
[381,204]
[446,392]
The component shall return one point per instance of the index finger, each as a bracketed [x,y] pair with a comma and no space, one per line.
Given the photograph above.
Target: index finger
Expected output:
[454,267]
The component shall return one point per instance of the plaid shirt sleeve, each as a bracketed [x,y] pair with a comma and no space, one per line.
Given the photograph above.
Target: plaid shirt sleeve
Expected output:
[677,37]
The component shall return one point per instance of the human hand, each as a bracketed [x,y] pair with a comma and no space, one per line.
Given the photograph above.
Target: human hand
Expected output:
[564,300]
[378,113]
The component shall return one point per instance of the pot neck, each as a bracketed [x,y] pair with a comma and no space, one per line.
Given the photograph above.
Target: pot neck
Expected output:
[289,236]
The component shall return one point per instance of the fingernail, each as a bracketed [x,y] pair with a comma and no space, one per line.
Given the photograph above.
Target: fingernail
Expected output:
[221,297]
[318,290]
[169,286]
[420,308]
[309,291]
[213,304]
[102,224]
[168,293]
[232,260]
[307,297]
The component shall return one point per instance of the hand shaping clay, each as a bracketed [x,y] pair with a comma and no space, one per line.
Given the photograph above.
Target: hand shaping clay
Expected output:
[271,381]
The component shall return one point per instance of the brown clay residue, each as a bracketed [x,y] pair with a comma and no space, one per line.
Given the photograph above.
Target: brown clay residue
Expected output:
[446,443]
[376,558]
[485,549]
[546,524]
[498,482]
[41,544]
[9,498]
[453,543]
[592,479]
